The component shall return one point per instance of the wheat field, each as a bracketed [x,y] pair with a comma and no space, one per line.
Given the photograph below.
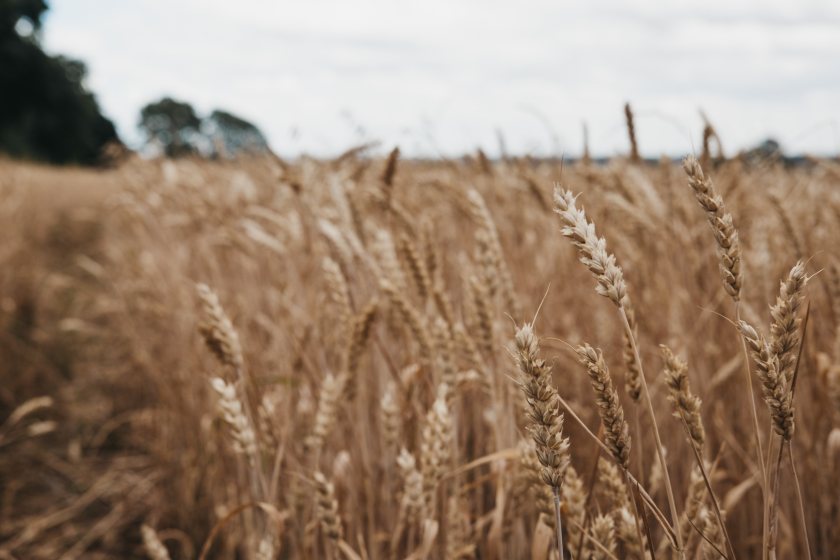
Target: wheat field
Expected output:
[378,357]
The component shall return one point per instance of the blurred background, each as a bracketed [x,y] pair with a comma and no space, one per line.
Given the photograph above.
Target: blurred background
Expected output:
[434,77]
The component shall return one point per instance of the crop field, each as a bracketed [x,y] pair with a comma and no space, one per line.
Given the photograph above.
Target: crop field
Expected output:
[378,357]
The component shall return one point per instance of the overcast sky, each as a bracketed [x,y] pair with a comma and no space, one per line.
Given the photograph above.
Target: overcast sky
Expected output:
[442,76]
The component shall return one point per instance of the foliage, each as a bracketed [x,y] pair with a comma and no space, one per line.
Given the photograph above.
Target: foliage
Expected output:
[175,128]
[46,112]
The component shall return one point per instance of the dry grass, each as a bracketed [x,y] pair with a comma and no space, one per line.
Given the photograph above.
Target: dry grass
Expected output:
[347,379]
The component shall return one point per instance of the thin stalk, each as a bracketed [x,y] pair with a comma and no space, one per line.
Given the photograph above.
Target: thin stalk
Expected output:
[765,541]
[593,478]
[594,542]
[790,443]
[708,483]
[667,478]
[639,511]
[801,503]
[639,447]
[753,409]
[774,512]
[707,539]
[757,434]
[558,521]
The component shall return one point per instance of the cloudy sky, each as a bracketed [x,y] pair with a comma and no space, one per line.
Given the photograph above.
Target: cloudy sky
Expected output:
[443,76]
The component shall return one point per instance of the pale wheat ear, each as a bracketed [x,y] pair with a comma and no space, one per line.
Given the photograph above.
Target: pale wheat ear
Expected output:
[327,507]
[153,545]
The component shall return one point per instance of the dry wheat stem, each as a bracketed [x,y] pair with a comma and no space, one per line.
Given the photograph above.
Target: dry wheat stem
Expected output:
[659,449]
[802,519]
[754,412]
[559,520]
[707,481]
[633,383]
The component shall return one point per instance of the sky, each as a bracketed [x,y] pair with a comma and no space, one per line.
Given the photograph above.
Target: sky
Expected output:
[448,76]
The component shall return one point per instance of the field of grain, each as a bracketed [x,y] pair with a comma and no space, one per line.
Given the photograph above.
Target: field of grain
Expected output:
[375,357]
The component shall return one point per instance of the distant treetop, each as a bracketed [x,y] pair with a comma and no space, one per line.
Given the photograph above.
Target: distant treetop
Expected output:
[174,129]
[171,124]
[233,135]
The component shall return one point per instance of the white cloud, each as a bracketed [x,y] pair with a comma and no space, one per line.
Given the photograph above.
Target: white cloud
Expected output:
[438,75]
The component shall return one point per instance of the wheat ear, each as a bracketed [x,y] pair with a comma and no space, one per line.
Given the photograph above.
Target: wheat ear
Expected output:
[729,246]
[153,545]
[616,429]
[685,404]
[546,420]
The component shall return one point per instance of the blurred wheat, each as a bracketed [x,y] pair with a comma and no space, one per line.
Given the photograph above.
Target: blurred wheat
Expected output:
[341,383]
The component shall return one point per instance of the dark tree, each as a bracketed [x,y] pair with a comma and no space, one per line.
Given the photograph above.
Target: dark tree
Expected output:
[173,125]
[46,113]
[11,12]
[231,135]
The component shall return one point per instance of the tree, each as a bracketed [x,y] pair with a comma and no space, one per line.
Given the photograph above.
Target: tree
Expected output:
[176,130]
[46,113]
[12,11]
[173,125]
[231,135]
